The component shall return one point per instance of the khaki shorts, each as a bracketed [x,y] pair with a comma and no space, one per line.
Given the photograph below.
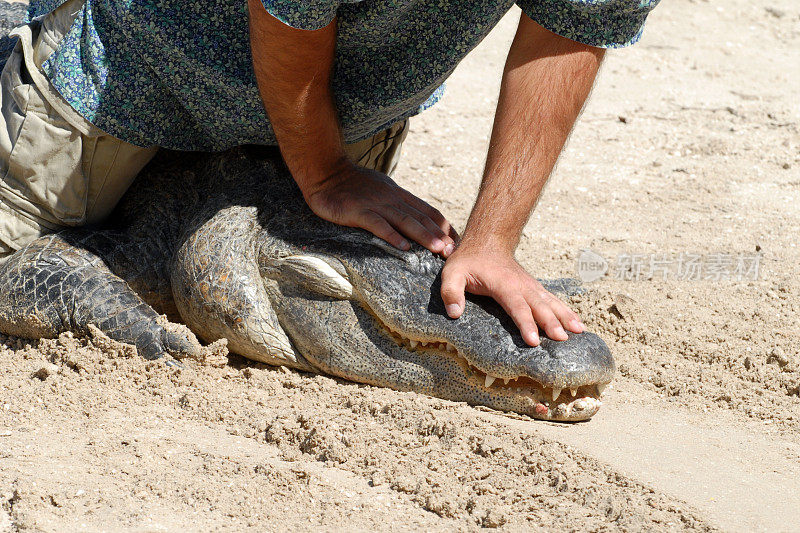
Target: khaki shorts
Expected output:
[58,170]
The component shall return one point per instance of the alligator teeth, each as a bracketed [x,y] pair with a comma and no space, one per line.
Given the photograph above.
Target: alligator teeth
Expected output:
[489,380]
[506,380]
[413,344]
[601,388]
[450,347]
[556,393]
[574,392]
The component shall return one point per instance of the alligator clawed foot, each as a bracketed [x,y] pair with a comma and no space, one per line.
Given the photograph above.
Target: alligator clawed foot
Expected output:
[51,287]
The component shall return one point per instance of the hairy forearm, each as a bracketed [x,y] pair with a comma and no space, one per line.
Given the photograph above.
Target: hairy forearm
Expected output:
[293,70]
[545,83]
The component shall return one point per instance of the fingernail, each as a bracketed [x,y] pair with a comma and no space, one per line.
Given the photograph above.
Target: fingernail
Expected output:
[452,310]
[449,249]
[404,245]
[437,244]
[534,338]
[576,326]
[560,331]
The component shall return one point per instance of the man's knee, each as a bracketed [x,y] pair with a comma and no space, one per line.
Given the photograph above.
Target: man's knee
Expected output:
[56,169]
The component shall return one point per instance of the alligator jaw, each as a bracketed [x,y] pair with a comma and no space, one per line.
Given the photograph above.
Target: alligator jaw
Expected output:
[549,403]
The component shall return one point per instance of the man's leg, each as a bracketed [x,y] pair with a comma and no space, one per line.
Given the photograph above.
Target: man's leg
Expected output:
[380,152]
[56,169]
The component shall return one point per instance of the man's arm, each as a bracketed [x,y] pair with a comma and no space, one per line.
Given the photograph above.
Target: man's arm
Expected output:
[546,81]
[293,70]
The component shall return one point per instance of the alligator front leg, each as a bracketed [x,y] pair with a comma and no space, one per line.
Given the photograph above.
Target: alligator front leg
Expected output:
[219,292]
[51,287]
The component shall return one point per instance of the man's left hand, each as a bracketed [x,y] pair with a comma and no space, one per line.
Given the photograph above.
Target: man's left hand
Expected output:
[498,275]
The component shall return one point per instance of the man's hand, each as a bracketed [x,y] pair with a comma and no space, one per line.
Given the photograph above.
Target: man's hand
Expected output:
[498,275]
[545,83]
[362,198]
[293,70]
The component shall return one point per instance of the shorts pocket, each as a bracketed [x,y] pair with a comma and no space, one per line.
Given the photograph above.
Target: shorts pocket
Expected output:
[45,170]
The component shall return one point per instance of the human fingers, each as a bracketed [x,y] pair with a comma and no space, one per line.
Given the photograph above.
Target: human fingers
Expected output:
[568,318]
[454,282]
[432,213]
[520,312]
[381,228]
[404,219]
[543,304]
[433,227]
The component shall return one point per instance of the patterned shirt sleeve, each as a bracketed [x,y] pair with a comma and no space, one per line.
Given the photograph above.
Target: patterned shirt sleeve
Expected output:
[601,23]
[303,14]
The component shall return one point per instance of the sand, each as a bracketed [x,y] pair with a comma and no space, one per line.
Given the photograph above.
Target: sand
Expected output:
[690,145]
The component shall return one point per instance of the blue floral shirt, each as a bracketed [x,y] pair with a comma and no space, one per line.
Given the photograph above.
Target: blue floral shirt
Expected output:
[178,74]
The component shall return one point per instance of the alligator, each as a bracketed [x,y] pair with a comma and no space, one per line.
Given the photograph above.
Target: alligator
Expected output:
[222,245]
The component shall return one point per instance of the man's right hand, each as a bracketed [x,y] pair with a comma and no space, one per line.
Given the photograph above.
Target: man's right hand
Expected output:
[293,69]
[362,198]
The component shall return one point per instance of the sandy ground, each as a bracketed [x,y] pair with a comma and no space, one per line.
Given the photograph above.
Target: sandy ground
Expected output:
[690,144]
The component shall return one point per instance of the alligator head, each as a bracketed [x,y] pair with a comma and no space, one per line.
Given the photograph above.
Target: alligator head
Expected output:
[340,301]
[357,308]
[366,312]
